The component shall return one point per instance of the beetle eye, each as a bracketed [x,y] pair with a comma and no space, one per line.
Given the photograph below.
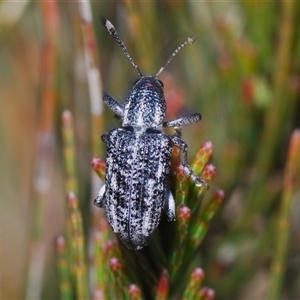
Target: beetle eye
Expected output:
[161,83]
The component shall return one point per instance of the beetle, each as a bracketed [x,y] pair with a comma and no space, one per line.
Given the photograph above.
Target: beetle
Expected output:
[138,154]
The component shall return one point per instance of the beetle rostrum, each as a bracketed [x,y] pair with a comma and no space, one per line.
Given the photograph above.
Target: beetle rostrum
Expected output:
[136,190]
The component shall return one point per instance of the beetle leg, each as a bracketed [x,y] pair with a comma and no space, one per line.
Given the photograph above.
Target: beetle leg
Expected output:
[169,205]
[104,137]
[114,105]
[100,201]
[178,142]
[183,120]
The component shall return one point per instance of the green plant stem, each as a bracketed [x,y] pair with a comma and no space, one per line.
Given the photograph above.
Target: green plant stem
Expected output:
[291,180]
[276,114]
[71,182]
[201,224]
[183,218]
[273,123]
[77,242]
[93,74]
[194,284]
[95,96]
[65,286]
[100,249]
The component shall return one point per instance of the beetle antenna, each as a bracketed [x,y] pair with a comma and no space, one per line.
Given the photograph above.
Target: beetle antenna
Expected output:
[111,29]
[189,41]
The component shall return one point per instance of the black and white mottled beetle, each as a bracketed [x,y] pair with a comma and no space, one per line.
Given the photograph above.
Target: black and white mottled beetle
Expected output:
[136,189]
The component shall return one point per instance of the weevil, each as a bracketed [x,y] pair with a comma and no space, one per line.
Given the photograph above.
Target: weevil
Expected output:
[136,190]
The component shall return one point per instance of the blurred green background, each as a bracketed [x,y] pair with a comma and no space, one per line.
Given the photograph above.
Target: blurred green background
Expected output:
[242,74]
